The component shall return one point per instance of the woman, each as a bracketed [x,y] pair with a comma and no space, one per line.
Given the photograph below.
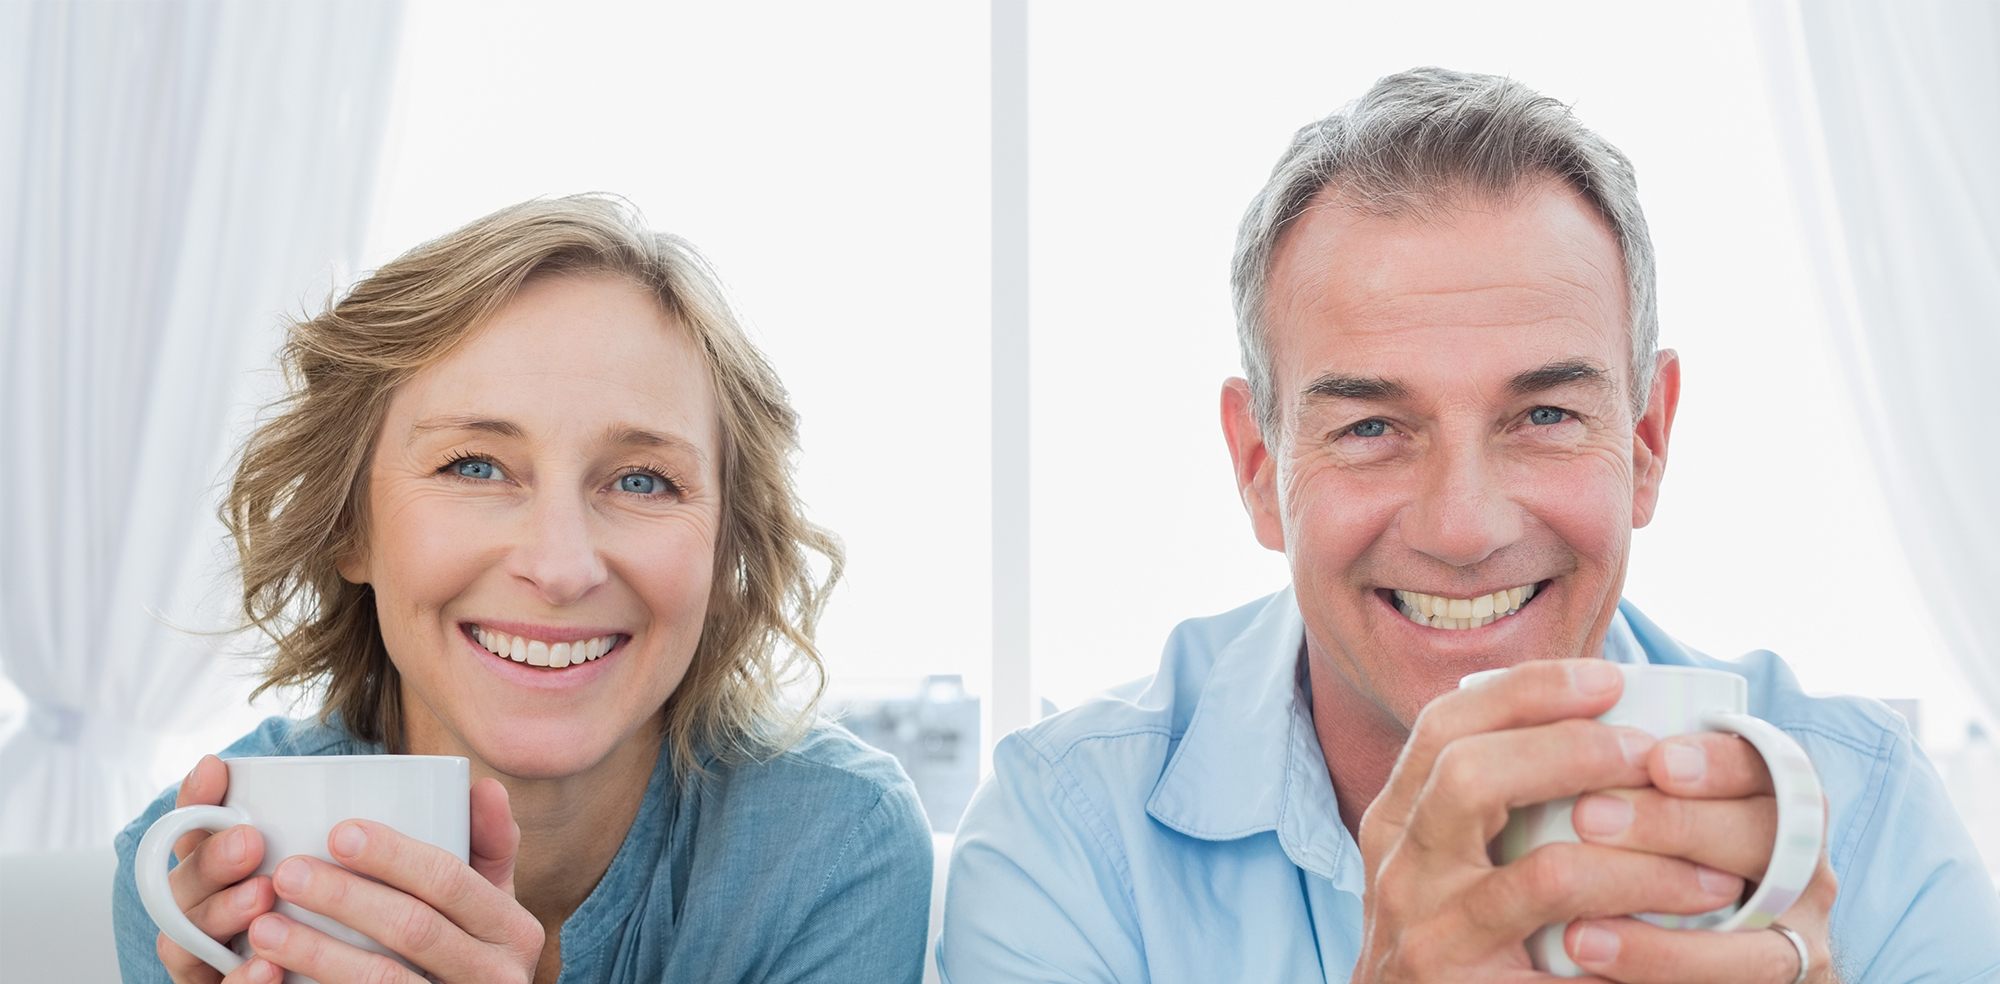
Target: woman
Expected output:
[543,439]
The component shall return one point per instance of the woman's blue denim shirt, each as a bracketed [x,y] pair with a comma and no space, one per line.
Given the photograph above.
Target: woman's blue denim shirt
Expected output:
[813,865]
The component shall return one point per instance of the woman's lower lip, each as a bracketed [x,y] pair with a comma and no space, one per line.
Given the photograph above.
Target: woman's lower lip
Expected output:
[542,677]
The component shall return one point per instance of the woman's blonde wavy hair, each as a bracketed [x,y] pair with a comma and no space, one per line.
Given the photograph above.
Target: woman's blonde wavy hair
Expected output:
[295,503]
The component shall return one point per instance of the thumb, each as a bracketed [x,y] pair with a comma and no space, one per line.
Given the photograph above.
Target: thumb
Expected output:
[495,835]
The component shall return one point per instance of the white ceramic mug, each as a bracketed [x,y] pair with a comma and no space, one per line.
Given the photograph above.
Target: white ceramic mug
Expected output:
[295,802]
[1664,701]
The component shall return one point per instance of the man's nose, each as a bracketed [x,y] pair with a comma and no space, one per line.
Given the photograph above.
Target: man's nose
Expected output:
[556,551]
[1461,515]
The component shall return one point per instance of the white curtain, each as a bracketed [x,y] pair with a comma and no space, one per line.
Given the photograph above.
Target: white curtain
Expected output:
[175,177]
[1889,117]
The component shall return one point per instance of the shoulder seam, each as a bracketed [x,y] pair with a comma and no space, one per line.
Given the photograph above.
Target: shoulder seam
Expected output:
[1068,789]
[846,843]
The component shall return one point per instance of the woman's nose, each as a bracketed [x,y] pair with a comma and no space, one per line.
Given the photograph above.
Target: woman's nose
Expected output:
[557,552]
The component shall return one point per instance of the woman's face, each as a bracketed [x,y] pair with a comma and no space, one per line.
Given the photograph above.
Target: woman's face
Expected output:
[549,489]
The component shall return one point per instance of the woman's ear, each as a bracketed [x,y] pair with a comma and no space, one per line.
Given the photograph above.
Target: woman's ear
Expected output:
[351,558]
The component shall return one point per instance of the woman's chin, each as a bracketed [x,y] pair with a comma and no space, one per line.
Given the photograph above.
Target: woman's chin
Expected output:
[547,751]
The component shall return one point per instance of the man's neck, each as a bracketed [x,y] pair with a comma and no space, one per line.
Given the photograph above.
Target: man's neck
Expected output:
[1359,739]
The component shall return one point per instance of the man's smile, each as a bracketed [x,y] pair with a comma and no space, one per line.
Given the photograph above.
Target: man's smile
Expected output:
[1445,612]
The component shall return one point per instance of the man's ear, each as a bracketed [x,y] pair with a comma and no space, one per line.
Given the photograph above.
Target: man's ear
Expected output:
[1650,434]
[1256,467]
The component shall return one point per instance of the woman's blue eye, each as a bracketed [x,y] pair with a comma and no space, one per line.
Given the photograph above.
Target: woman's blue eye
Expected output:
[1369,428]
[640,483]
[474,468]
[1545,416]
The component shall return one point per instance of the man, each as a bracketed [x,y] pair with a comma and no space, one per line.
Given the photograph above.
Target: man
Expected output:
[1446,307]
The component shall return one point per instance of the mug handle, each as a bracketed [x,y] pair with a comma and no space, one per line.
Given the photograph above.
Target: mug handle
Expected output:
[149,869]
[1801,820]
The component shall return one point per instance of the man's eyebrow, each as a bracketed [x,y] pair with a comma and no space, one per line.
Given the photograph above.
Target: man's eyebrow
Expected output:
[1560,373]
[1337,386]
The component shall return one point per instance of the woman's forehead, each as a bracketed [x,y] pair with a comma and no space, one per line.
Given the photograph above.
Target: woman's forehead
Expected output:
[568,357]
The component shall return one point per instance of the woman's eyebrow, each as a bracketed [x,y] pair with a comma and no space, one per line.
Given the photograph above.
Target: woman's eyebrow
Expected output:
[628,436]
[623,435]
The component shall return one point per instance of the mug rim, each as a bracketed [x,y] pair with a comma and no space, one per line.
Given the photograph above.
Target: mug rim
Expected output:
[335,759]
[1629,669]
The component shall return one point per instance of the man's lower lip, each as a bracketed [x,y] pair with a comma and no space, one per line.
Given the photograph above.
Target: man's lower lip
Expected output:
[1388,598]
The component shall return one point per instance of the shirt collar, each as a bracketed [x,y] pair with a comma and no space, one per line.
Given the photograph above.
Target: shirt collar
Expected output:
[1250,762]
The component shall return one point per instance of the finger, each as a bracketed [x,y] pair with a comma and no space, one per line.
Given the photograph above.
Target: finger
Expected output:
[1709,765]
[1478,778]
[255,970]
[226,913]
[183,967]
[1734,835]
[205,785]
[437,878]
[219,862]
[1535,692]
[495,835]
[1561,882]
[302,949]
[390,917]
[1640,953]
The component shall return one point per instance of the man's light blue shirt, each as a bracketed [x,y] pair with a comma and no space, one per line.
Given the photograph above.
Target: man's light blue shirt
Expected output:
[1190,833]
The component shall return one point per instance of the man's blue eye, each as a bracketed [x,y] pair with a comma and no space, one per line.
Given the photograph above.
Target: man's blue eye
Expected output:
[1545,416]
[640,483]
[474,468]
[1369,428]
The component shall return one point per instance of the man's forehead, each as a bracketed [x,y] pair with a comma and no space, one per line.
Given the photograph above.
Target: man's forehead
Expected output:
[1538,275]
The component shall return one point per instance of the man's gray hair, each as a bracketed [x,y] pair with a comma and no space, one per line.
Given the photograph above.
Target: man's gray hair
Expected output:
[1414,143]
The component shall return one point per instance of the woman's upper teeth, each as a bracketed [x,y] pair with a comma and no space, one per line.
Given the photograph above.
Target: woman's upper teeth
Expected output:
[535,652]
[1441,612]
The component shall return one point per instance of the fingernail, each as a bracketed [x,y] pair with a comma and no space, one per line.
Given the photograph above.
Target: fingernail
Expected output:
[233,847]
[1601,816]
[246,894]
[269,932]
[293,877]
[1686,763]
[348,839]
[262,971]
[1635,745]
[1592,676]
[1596,945]
[1720,884]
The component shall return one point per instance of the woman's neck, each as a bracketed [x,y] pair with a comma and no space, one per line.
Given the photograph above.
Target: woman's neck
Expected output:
[571,826]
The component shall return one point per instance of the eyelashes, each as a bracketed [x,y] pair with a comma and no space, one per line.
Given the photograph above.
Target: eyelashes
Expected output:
[473,467]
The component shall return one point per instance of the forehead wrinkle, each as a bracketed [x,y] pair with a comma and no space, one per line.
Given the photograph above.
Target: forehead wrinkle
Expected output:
[464,421]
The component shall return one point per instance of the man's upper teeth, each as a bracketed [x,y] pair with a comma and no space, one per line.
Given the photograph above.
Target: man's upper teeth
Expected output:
[535,652]
[1438,611]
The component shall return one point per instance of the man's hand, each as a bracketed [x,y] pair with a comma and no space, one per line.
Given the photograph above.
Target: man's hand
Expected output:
[1711,804]
[1437,908]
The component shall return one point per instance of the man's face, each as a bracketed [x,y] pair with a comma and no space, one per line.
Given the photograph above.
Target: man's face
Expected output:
[1455,432]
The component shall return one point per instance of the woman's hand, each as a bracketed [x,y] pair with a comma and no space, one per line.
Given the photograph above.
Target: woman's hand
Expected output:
[211,882]
[457,921]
